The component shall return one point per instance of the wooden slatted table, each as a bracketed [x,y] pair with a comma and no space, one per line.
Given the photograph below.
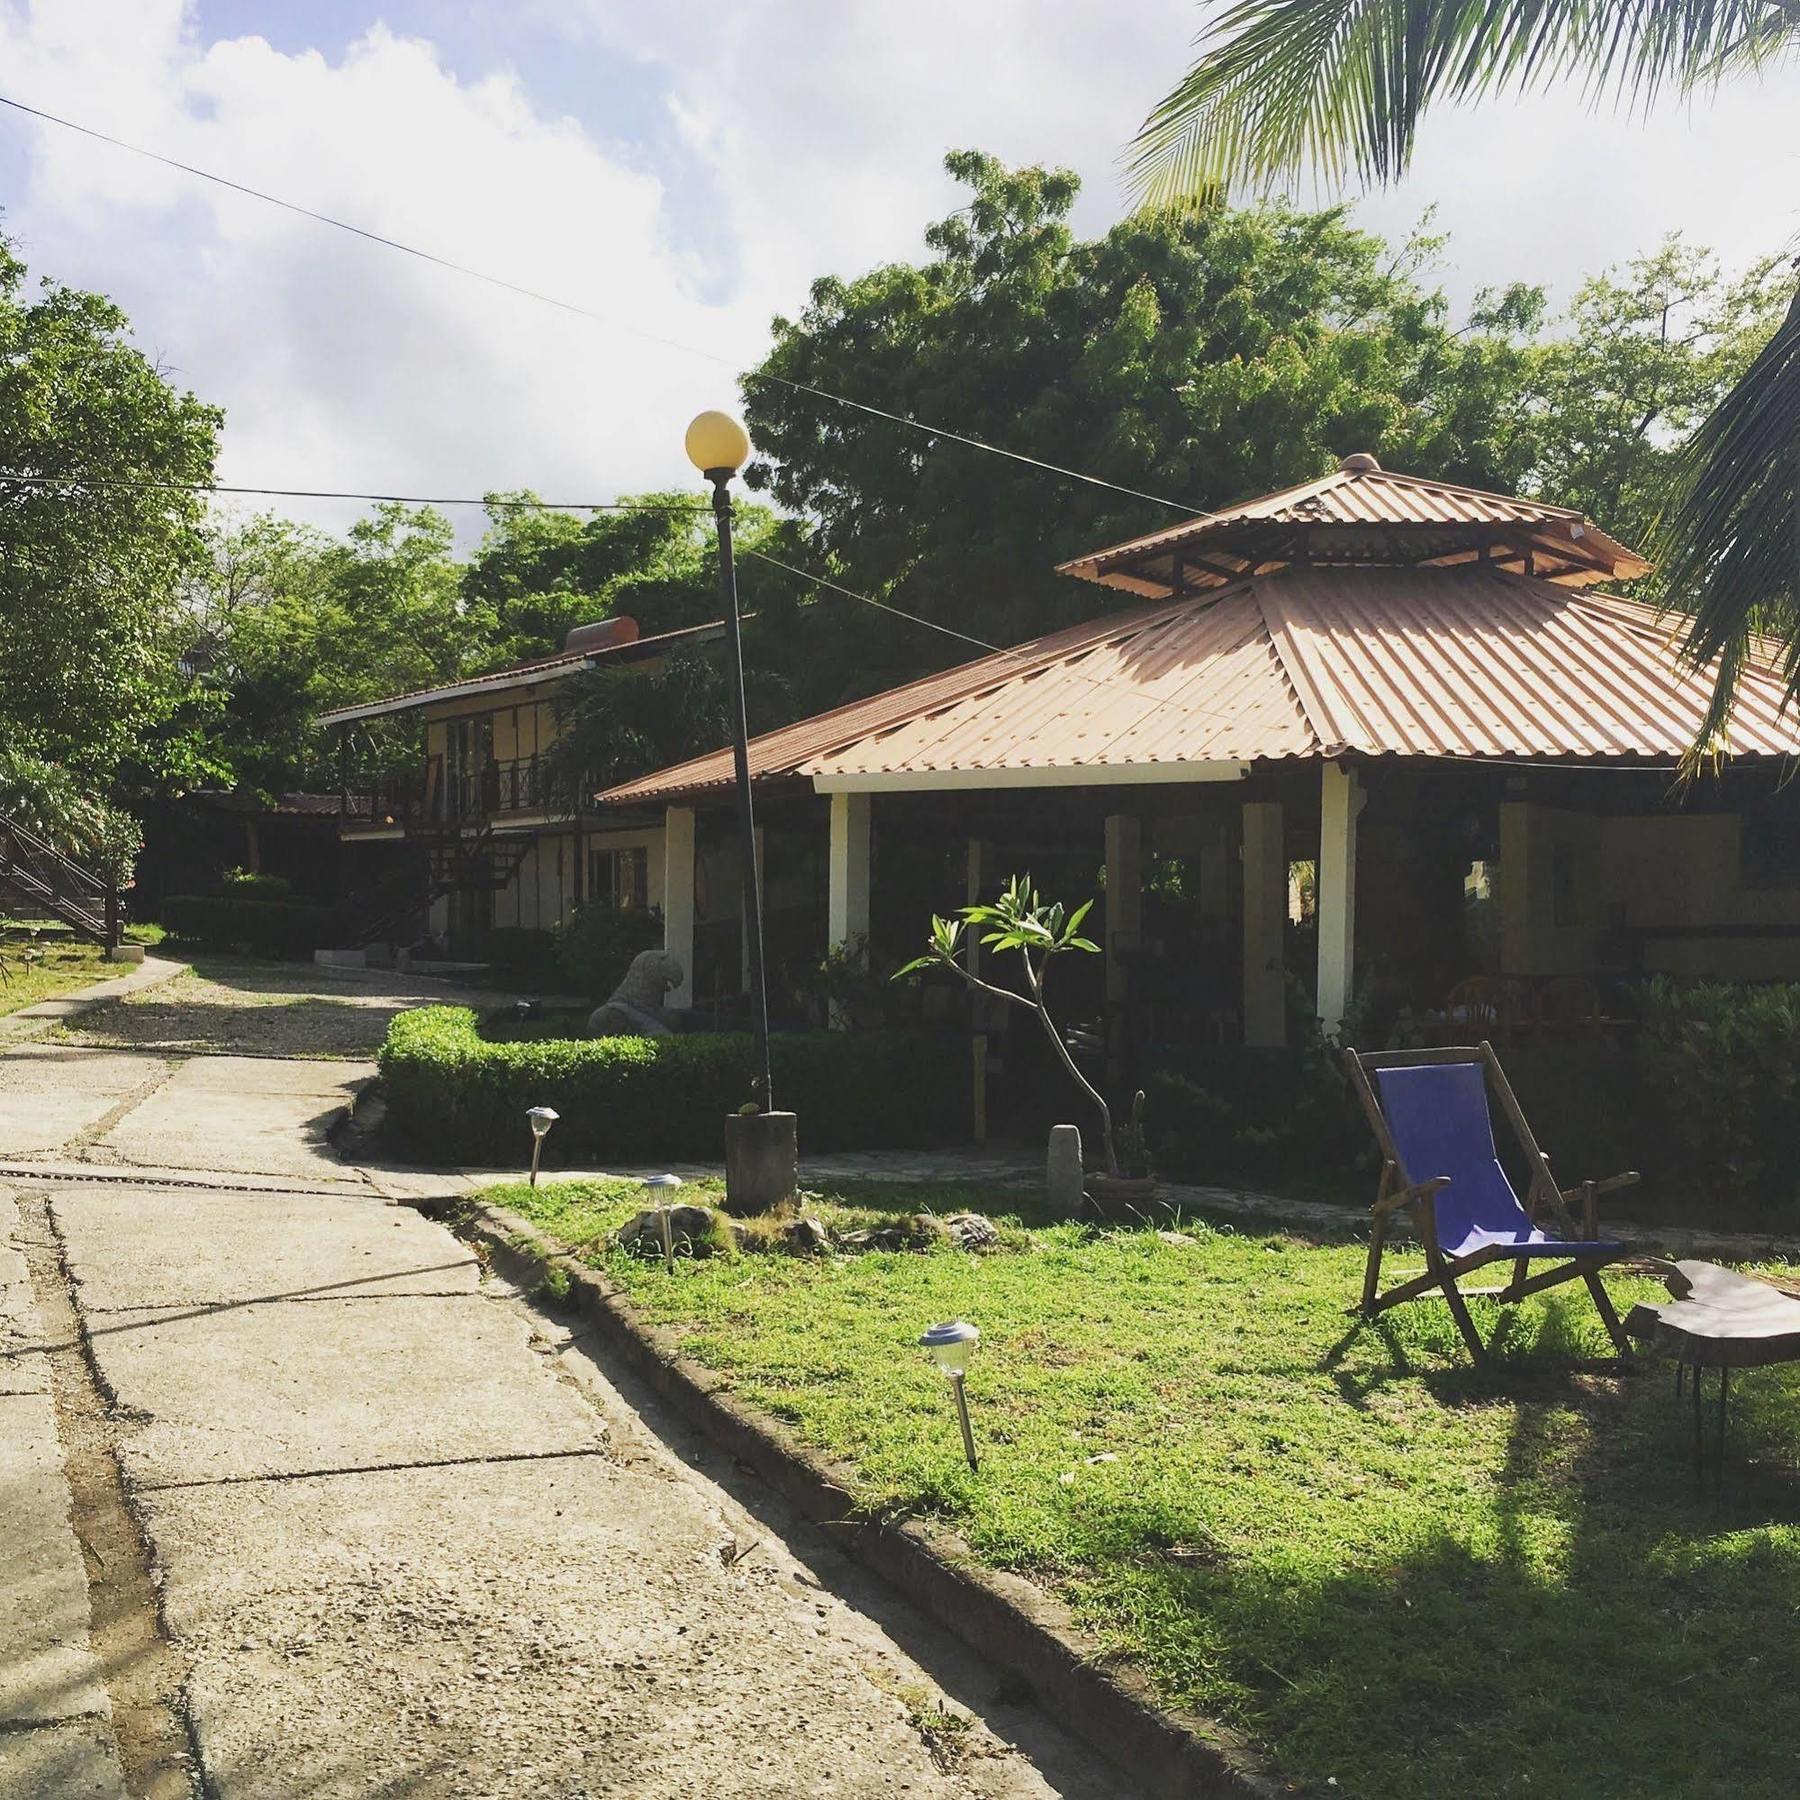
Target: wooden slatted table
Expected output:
[1717,1319]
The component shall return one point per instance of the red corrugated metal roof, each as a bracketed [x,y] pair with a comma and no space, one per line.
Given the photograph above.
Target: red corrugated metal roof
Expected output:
[1465,660]
[546,668]
[1361,493]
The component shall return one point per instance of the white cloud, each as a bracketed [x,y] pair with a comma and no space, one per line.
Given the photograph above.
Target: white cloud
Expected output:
[343,364]
[812,137]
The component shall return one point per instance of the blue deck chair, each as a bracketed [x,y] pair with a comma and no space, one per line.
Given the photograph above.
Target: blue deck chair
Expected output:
[1429,1111]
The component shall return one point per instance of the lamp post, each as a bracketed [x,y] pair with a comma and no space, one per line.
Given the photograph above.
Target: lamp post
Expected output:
[951,1345]
[542,1118]
[718,446]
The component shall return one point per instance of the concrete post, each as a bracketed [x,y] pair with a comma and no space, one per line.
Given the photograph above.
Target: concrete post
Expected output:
[678,898]
[1265,914]
[1124,924]
[1340,800]
[848,898]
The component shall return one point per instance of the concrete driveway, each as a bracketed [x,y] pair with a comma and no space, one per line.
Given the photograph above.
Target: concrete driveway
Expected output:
[302,1503]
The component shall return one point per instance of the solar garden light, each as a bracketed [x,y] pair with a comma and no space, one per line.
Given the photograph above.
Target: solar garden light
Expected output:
[542,1118]
[665,1184]
[951,1345]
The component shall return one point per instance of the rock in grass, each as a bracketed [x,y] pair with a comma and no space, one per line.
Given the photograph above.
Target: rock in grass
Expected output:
[972,1231]
[694,1231]
[807,1236]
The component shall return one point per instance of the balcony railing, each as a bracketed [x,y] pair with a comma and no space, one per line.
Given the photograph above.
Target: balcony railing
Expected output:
[447,798]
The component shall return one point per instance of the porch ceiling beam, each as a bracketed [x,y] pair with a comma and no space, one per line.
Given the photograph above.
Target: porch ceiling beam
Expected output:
[926,781]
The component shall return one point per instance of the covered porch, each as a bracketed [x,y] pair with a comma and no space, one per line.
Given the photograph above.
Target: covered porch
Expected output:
[1365,757]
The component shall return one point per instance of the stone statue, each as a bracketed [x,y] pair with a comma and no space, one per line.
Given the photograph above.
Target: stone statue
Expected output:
[636,1008]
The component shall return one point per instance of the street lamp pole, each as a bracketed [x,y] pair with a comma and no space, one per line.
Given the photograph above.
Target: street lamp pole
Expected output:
[718,446]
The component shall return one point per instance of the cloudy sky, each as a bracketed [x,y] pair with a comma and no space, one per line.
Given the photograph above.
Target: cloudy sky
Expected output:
[683,169]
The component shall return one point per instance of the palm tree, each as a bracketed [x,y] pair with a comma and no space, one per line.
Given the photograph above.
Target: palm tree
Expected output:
[1341,85]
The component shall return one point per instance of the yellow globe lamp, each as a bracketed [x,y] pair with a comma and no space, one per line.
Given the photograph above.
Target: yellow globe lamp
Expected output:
[717,444]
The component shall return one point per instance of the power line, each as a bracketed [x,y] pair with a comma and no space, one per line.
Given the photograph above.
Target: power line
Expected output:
[217,487]
[870,600]
[586,312]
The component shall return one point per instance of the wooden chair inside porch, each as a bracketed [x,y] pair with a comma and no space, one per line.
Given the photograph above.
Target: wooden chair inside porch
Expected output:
[1429,1110]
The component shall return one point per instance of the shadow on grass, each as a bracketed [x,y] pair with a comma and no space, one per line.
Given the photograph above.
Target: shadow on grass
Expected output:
[1596,1625]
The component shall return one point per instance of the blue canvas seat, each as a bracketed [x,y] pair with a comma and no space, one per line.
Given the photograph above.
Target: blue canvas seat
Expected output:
[1430,1112]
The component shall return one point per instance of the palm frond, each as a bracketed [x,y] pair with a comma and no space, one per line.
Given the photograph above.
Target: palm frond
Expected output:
[1341,85]
[1729,538]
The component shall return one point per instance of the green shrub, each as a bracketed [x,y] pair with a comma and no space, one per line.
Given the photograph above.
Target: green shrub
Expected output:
[1233,1112]
[240,884]
[522,950]
[1719,1070]
[269,927]
[595,947]
[454,1095]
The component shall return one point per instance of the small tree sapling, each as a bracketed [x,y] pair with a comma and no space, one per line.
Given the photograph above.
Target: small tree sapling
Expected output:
[1021,920]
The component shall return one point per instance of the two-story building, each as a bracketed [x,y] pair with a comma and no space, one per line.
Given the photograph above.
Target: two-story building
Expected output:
[487,842]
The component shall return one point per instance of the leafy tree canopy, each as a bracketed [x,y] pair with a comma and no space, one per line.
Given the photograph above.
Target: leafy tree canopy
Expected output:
[93,561]
[1203,356]
[1198,358]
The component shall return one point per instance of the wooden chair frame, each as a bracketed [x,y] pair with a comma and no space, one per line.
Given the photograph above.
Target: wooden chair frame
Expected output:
[1442,1273]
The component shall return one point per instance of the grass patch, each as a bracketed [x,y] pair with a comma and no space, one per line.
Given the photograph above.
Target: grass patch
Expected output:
[41,968]
[1391,1569]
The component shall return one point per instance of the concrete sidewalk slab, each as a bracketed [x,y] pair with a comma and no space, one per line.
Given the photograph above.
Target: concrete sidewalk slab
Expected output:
[72,1761]
[47,1669]
[23,1369]
[159,1248]
[50,1093]
[253,1114]
[249,1391]
[547,1629]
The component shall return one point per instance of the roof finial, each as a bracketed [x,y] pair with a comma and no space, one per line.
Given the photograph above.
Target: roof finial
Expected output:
[1359,462]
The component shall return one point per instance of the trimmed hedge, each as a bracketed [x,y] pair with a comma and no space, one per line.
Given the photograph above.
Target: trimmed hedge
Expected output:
[452,1095]
[269,927]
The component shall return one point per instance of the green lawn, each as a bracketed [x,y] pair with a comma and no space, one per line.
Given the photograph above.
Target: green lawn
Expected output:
[33,970]
[1394,1571]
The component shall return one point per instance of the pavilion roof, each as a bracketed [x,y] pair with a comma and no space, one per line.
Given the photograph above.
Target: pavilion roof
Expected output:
[1362,514]
[1459,660]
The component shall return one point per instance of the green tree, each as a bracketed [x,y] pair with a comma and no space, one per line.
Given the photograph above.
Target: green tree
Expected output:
[1198,357]
[537,572]
[95,556]
[286,622]
[616,723]
[1343,84]
[1643,355]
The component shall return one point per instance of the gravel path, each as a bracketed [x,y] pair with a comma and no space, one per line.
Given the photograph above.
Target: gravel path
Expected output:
[407,1537]
[228,1007]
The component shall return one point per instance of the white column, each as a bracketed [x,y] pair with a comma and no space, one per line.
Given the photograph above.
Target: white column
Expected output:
[1124,921]
[1265,914]
[1340,800]
[848,901]
[678,898]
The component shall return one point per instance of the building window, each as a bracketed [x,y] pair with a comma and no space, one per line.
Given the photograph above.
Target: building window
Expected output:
[620,878]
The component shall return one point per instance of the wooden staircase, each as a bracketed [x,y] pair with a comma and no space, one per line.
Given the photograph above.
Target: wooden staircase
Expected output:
[38,881]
